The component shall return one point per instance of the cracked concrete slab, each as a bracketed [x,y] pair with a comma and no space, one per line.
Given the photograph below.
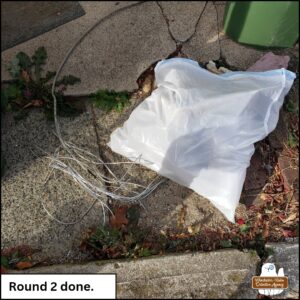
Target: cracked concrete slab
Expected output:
[24,220]
[220,15]
[113,55]
[214,275]
[204,45]
[238,55]
[174,207]
[182,17]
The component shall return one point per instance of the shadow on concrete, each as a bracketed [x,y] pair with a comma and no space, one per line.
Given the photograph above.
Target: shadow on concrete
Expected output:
[24,20]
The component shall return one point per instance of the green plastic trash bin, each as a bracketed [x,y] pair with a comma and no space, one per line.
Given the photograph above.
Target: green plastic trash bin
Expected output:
[263,23]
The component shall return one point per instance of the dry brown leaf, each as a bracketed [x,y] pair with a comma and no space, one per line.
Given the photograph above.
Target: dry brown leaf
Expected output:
[181,235]
[193,229]
[25,76]
[265,229]
[290,218]
[197,228]
[181,216]
[37,102]
[190,229]
[24,265]
[27,105]
[148,84]
[119,218]
[162,232]
[265,197]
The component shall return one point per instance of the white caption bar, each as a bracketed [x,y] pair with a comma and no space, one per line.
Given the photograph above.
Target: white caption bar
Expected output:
[58,286]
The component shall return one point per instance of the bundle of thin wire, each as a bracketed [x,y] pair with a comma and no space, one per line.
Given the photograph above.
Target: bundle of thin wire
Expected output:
[75,160]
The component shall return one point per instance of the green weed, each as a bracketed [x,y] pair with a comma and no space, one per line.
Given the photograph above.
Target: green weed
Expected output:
[109,100]
[291,106]
[32,88]
[292,140]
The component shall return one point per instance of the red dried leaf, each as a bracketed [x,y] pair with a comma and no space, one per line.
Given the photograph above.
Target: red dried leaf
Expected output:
[281,216]
[287,233]
[240,221]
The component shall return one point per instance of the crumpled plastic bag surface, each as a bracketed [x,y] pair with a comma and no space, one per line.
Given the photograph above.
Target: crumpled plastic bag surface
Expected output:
[198,128]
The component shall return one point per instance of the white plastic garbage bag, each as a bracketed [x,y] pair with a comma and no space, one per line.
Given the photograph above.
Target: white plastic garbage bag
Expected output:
[198,128]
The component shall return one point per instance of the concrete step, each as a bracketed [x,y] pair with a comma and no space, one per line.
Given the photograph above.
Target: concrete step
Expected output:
[211,275]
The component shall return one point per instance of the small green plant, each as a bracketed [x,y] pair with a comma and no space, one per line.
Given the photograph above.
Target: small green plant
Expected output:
[259,245]
[16,258]
[244,228]
[109,100]
[31,87]
[107,242]
[270,251]
[291,106]
[292,140]
[144,252]
[7,94]
[105,237]
[226,244]
[252,253]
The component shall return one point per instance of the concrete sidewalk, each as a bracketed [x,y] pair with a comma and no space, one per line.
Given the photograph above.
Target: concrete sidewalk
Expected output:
[26,145]
[112,56]
[115,53]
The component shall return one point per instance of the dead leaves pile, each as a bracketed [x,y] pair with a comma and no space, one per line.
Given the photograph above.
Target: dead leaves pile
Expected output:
[121,238]
[280,209]
[276,219]
[19,258]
